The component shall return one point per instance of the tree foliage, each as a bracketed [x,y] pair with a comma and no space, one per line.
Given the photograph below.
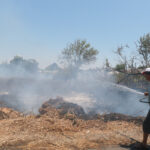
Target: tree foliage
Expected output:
[29,65]
[79,52]
[52,67]
[120,67]
[128,63]
[122,57]
[143,48]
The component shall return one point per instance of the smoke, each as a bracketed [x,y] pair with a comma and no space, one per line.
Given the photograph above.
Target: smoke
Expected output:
[25,89]
[97,92]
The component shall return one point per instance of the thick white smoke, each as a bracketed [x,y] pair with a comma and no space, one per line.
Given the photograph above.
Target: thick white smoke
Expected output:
[95,90]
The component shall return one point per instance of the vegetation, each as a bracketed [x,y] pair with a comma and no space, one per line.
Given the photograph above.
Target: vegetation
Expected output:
[134,64]
[29,65]
[79,52]
[143,48]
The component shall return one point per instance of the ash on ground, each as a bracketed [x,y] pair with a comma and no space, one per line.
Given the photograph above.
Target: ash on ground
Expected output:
[64,108]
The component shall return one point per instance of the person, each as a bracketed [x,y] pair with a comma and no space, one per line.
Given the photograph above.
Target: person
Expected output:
[146,123]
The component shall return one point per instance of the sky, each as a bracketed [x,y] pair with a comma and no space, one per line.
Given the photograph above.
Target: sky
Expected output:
[41,29]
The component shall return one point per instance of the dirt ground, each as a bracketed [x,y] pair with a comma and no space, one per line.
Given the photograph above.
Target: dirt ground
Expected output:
[52,132]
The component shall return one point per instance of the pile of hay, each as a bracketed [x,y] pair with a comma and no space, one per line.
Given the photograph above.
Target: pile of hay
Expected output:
[62,108]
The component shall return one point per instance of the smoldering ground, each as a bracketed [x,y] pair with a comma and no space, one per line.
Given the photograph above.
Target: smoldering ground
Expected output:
[95,90]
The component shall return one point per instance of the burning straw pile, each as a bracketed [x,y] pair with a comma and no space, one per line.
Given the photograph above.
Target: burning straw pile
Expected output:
[61,125]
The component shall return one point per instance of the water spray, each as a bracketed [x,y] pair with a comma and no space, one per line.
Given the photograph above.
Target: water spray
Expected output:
[146,74]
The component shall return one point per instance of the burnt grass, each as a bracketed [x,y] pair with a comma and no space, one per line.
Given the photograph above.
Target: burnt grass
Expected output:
[122,117]
[77,111]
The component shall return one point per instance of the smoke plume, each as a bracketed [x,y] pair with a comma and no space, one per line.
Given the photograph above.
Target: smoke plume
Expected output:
[25,87]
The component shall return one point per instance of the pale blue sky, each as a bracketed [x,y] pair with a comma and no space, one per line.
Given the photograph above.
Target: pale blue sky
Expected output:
[40,29]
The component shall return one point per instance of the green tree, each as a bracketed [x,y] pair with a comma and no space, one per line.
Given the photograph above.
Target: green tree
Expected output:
[122,57]
[79,52]
[29,65]
[120,67]
[143,48]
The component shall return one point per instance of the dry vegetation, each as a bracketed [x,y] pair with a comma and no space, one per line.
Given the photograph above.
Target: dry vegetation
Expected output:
[52,131]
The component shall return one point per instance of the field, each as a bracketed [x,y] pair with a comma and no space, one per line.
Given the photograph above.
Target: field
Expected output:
[52,131]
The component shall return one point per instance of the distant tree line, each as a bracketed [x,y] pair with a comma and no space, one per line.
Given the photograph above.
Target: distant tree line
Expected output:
[19,66]
[80,52]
